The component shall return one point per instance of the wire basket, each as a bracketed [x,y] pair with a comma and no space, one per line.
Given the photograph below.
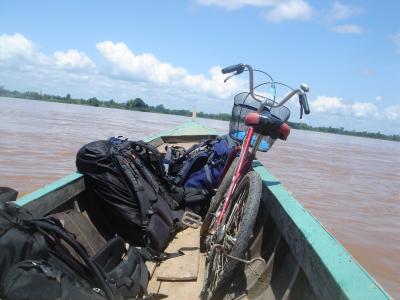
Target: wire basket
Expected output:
[244,104]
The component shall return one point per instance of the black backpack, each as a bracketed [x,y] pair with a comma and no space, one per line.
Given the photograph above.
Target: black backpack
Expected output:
[35,253]
[127,193]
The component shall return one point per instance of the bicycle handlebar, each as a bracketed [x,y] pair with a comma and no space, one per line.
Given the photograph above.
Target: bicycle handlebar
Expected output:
[239,68]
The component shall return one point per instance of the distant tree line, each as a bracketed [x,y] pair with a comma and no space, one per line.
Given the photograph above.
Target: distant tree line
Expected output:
[138,104]
[341,130]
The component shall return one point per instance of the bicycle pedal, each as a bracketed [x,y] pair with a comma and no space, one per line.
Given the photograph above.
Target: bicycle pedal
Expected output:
[191,219]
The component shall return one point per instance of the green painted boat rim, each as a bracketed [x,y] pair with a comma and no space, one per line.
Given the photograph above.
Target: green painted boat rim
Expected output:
[189,128]
[353,280]
[54,186]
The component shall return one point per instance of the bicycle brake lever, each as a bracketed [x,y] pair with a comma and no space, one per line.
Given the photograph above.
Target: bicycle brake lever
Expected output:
[229,77]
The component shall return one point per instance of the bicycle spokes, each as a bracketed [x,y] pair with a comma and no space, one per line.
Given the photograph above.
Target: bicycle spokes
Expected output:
[219,261]
[233,223]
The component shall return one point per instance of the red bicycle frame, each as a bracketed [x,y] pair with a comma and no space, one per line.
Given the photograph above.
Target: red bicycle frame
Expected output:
[244,165]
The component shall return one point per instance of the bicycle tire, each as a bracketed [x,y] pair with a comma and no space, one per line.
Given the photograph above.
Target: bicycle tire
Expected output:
[214,204]
[251,202]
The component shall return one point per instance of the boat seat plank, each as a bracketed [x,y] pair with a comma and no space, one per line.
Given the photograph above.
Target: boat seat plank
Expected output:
[185,267]
[178,290]
[154,289]
[84,231]
[185,290]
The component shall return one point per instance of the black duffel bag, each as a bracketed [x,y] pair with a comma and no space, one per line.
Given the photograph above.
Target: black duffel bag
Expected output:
[45,280]
[35,262]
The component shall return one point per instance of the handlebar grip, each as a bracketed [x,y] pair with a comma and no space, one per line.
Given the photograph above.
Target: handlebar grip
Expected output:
[306,107]
[238,68]
[304,103]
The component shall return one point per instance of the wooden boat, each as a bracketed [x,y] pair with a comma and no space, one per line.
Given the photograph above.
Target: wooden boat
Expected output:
[295,257]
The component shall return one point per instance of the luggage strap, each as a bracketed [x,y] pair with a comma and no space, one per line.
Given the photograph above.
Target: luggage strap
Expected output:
[184,172]
[136,172]
[130,172]
[158,188]
[54,227]
[167,160]
[148,255]
[194,147]
[150,149]
[185,195]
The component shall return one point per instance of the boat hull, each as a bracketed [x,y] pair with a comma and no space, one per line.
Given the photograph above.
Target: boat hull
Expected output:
[300,258]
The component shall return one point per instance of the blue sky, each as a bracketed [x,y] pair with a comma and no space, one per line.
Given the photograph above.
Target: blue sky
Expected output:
[170,52]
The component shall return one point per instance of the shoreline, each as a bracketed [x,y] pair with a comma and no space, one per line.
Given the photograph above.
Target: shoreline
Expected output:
[139,105]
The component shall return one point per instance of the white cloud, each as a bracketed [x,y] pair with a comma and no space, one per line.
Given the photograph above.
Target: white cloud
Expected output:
[338,108]
[392,112]
[379,98]
[330,105]
[347,28]
[341,11]
[124,75]
[148,68]
[15,45]
[144,67]
[276,10]
[73,59]
[19,52]
[236,4]
[396,40]
[290,10]
[364,110]
[144,75]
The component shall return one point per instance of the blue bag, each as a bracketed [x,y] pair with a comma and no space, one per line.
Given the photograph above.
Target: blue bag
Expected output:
[203,168]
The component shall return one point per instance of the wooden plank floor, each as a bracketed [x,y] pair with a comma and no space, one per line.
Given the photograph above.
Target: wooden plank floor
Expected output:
[180,277]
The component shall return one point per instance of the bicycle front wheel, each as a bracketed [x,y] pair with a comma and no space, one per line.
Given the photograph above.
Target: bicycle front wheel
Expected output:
[235,237]
[215,204]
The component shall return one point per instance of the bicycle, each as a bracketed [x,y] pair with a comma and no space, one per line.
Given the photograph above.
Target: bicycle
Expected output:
[228,225]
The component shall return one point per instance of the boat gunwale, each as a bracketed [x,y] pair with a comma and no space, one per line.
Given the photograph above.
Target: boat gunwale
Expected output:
[340,269]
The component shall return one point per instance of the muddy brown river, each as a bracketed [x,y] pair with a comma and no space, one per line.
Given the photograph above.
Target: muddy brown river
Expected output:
[351,184]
